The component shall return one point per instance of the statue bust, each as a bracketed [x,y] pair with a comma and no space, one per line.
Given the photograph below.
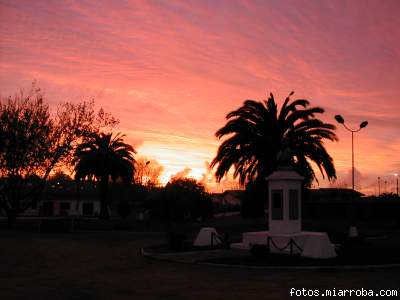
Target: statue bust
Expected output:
[285,155]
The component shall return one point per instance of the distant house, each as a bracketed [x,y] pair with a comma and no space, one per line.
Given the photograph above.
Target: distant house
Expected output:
[64,198]
[67,199]
[332,195]
[228,197]
[322,195]
[336,203]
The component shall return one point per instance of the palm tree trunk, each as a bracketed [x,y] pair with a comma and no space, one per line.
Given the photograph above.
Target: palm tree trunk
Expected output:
[104,215]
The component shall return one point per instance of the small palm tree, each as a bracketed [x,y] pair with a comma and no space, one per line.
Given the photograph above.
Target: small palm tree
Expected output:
[257,134]
[103,157]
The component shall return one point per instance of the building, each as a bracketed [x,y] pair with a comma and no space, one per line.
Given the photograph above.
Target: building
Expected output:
[66,198]
[229,197]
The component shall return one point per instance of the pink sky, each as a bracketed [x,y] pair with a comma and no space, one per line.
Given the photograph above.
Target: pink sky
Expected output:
[171,70]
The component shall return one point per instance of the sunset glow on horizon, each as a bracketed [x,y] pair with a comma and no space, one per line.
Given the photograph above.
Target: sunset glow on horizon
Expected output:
[170,71]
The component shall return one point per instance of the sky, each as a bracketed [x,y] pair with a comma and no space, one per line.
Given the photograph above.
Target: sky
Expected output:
[170,71]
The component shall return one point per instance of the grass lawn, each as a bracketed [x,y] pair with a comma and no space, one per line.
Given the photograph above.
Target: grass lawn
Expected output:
[107,265]
[357,254]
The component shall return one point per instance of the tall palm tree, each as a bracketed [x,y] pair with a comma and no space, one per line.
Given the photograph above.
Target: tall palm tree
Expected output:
[257,134]
[103,157]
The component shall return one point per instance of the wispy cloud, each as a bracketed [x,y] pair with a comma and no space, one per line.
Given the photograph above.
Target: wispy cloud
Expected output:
[171,70]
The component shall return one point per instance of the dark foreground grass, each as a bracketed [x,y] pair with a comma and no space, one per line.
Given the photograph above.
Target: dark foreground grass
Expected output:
[107,265]
[360,251]
[354,254]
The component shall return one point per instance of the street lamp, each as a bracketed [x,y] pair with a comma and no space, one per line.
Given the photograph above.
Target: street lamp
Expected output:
[386,192]
[379,186]
[397,183]
[353,232]
[145,173]
[363,124]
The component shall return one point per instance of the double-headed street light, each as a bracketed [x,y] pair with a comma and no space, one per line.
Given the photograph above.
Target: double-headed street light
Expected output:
[353,232]
[363,124]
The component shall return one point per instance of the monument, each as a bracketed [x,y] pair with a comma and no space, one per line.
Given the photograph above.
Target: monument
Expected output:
[284,206]
[284,216]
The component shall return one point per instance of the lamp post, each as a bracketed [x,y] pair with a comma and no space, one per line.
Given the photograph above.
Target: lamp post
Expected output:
[363,124]
[397,183]
[385,187]
[379,186]
[147,163]
[353,229]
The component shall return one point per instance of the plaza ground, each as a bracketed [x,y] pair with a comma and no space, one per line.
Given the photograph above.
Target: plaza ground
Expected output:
[108,265]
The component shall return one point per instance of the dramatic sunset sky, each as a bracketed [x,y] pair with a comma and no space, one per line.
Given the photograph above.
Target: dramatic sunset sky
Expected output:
[171,70]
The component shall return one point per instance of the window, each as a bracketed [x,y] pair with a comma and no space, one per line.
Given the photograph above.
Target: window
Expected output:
[293,204]
[87,209]
[277,204]
[34,204]
[64,208]
[65,205]
[48,208]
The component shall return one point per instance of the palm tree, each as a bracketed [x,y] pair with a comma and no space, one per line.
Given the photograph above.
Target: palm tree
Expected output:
[103,157]
[257,134]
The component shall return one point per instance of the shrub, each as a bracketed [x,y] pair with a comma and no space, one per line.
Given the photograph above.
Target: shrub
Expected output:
[184,200]
[176,240]
[259,251]
[124,209]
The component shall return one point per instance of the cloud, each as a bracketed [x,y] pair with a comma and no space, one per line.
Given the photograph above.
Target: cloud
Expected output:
[174,69]
[182,174]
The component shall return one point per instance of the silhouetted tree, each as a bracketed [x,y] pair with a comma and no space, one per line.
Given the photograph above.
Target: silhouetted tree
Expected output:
[124,208]
[147,172]
[257,133]
[59,176]
[186,199]
[103,157]
[259,136]
[255,200]
[34,142]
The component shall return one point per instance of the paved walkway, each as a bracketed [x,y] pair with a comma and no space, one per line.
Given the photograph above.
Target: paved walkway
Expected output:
[195,256]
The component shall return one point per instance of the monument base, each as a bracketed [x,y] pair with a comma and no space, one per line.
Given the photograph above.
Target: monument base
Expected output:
[306,243]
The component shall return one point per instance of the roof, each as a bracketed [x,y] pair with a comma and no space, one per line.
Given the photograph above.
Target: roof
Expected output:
[338,195]
[231,194]
[284,173]
[70,191]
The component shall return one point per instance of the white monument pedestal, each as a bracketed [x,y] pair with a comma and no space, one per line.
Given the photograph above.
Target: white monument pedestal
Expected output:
[311,244]
[207,236]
